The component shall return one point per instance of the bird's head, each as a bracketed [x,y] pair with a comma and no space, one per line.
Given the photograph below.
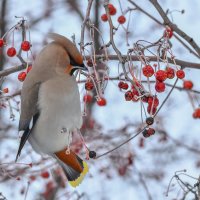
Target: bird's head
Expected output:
[75,65]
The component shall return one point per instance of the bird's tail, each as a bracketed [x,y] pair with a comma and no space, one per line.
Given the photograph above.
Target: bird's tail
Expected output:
[69,47]
[74,167]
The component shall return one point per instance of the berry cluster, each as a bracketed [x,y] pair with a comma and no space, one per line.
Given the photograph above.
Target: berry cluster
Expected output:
[162,75]
[112,11]
[89,86]
[11,51]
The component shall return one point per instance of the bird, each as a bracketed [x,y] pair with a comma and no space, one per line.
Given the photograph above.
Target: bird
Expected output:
[51,108]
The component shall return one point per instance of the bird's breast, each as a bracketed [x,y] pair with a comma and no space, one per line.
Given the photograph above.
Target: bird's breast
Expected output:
[60,113]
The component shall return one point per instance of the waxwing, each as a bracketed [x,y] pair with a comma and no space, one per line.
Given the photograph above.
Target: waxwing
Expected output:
[50,106]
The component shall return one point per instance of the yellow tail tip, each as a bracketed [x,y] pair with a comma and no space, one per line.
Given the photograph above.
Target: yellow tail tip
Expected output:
[76,182]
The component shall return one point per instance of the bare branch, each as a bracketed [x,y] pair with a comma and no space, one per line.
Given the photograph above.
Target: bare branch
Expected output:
[174,27]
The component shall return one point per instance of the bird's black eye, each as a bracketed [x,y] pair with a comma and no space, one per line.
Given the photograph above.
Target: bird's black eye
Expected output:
[73,70]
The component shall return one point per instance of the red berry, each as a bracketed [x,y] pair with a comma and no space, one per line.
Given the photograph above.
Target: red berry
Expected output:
[121,19]
[160,86]
[87,98]
[180,74]
[29,69]
[1,42]
[45,174]
[170,72]
[151,110]
[187,85]
[120,84]
[11,52]
[196,113]
[5,90]
[135,95]
[148,132]
[153,101]
[168,33]
[112,9]
[161,75]
[151,131]
[25,46]
[104,18]
[148,70]
[89,85]
[123,85]
[128,95]
[21,76]
[101,101]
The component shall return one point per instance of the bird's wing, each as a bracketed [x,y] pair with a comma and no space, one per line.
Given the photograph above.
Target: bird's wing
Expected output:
[26,134]
[29,112]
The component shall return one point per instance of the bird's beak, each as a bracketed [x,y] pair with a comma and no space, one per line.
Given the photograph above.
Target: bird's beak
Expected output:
[78,67]
[82,67]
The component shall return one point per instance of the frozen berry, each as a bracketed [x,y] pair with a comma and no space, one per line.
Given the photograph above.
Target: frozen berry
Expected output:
[21,76]
[151,131]
[45,174]
[104,18]
[170,72]
[135,95]
[148,132]
[101,101]
[151,109]
[120,84]
[153,101]
[123,85]
[160,86]
[149,120]
[92,154]
[180,74]
[128,95]
[87,98]
[1,42]
[148,70]
[196,113]
[25,46]
[168,33]
[121,19]
[11,52]
[112,9]
[89,85]
[161,75]
[187,85]
[145,133]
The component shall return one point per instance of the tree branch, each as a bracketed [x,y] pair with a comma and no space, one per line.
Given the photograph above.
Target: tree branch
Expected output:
[174,27]
[158,22]
[182,63]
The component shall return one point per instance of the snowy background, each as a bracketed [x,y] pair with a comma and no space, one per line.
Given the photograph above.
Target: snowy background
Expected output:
[175,117]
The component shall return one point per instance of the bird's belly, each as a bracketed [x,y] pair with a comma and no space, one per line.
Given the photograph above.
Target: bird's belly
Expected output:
[51,136]
[61,114]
